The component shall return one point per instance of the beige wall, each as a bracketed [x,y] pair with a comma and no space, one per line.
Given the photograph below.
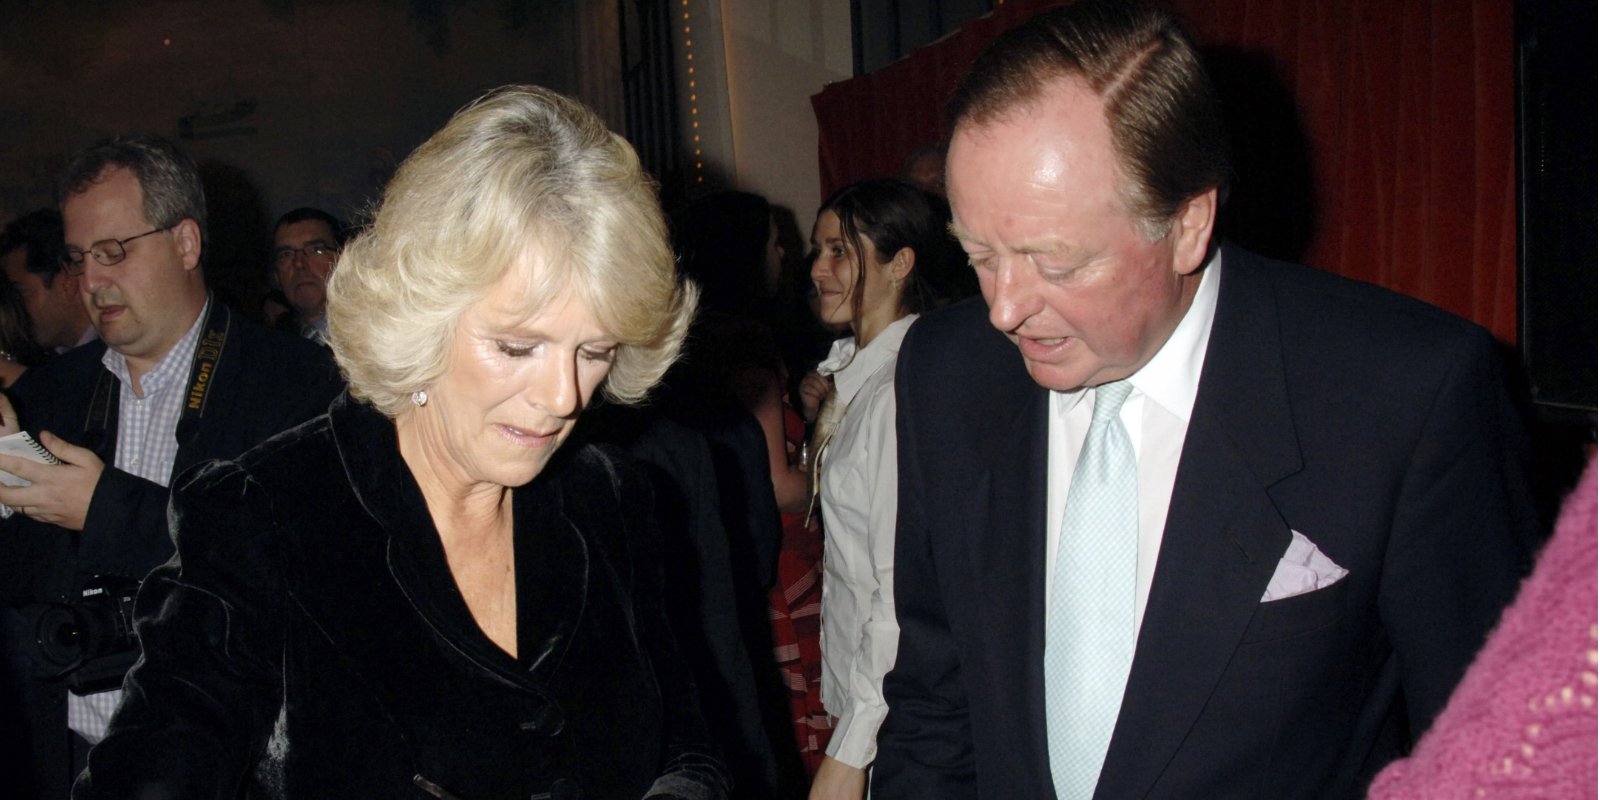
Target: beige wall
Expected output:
[287,102]
[779,53]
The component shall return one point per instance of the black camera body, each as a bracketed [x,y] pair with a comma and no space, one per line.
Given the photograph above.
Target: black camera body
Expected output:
[88,642]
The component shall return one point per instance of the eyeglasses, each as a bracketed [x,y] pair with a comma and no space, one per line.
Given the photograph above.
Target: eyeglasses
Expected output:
[107,251]
[285,255]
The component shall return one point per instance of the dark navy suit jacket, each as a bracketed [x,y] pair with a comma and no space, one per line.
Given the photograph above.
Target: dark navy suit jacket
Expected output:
[1377,426]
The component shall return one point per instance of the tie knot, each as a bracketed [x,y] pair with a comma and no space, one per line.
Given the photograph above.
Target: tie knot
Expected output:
[1108,399]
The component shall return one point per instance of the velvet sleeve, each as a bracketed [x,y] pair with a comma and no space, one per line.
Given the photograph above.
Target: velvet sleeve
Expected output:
[691,769]
[925,743]
[201,702]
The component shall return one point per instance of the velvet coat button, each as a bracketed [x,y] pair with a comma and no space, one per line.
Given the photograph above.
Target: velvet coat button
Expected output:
[549,721]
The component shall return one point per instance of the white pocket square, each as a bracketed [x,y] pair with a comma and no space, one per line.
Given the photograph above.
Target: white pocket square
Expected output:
[1302,569]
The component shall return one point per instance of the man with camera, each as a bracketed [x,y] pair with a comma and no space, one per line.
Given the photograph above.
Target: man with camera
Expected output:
[177,378]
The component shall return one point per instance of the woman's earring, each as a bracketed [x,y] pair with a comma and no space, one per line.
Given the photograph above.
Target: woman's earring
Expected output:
[419,397]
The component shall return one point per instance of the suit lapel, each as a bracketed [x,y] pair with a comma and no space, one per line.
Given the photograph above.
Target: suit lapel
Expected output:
[1223,537]
[1008,549]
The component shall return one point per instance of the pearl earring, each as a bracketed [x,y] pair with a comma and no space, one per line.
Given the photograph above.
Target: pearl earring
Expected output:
[420,397]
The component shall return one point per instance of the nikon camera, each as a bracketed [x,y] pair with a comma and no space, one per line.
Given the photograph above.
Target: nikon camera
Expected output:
[88,642]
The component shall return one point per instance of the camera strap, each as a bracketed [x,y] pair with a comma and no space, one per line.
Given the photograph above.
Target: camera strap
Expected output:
[101,424]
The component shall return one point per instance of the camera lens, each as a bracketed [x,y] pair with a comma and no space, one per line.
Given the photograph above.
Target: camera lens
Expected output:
[58,635]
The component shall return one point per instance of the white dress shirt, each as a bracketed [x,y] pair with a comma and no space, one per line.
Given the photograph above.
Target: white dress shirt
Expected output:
[859,485]
[147,447]
[316,331]
[1156,416]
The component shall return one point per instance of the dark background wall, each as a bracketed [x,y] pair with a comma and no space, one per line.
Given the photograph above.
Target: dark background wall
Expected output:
[283,102]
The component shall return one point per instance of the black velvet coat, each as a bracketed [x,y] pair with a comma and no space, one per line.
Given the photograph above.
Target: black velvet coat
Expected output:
[264,382]
[308,632]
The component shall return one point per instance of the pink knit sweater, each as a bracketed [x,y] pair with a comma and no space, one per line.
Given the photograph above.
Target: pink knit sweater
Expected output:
[1522,723]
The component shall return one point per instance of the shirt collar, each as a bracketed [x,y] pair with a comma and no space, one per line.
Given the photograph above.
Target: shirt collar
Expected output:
[89,335]
[174,362]
[1171,378]
[316,331]
[851,368]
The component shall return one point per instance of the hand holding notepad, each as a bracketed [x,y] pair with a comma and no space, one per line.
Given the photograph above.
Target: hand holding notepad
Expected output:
[51,480]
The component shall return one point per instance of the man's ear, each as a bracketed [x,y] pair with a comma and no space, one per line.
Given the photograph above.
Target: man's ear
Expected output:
[187,234]
[1191,232]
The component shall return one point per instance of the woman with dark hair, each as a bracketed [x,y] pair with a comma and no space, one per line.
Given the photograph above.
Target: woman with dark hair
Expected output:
[730,386]
[727,243]
[871,239]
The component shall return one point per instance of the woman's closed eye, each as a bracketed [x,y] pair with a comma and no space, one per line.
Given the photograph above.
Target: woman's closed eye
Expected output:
[514,350]
[599,354]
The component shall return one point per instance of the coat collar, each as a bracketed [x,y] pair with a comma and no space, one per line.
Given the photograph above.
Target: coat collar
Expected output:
[1019,596]
[851,366]
[552,552]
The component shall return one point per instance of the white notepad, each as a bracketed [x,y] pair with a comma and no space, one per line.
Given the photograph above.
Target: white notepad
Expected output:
[25,446]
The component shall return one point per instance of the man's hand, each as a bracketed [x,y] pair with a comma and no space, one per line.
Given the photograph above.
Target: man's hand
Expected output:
[837,780]
[60,493]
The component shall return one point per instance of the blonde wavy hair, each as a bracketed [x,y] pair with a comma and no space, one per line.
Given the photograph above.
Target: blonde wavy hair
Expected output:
[518,166]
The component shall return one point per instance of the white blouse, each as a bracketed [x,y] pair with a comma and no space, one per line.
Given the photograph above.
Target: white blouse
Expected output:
[859,480]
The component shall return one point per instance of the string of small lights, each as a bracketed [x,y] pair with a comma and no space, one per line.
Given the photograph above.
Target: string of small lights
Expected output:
[694,94]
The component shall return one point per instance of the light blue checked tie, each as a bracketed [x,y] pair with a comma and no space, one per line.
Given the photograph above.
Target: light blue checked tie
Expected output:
[1089,636]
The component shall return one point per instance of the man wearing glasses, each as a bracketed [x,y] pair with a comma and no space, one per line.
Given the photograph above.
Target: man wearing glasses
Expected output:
[176,379]
[305,246]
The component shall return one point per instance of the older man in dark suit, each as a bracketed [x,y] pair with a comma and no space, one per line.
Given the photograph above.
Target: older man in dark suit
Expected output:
[1227,527]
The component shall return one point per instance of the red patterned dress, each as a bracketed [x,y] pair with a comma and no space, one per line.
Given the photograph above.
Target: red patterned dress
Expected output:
[795,605]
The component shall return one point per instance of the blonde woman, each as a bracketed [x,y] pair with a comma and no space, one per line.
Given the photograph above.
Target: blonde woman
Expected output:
[421,593]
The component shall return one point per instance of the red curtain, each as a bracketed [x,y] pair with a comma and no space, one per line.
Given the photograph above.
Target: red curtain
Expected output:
[1375,138]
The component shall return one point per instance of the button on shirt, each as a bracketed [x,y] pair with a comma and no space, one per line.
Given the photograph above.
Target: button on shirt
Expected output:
[859,497]
[1156,416]
[147,447]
